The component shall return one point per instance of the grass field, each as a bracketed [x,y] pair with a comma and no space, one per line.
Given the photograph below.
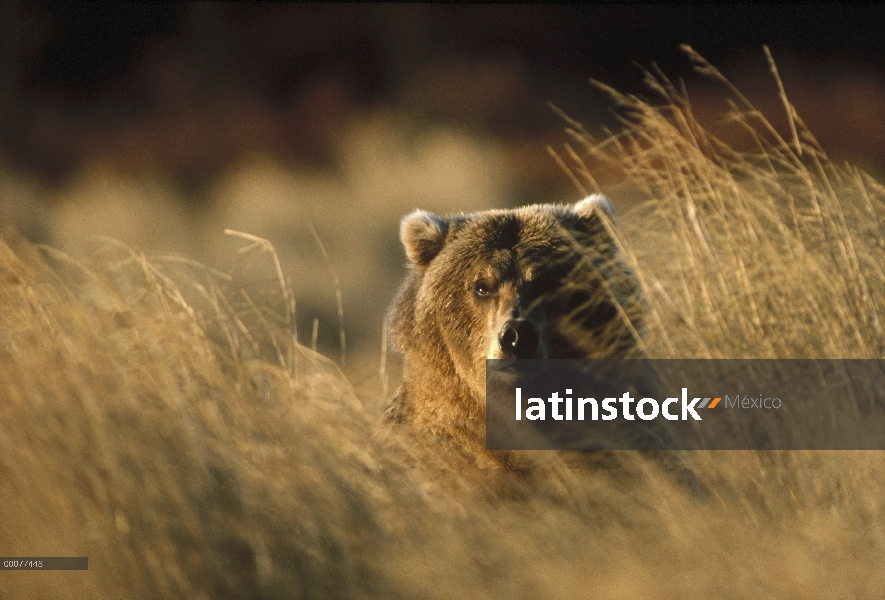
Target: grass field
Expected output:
[156,419]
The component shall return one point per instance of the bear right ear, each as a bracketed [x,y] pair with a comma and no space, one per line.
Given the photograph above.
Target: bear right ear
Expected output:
[423,235]
[588,207]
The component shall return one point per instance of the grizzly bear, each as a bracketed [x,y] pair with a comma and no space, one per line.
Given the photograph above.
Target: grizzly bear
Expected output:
[541,281]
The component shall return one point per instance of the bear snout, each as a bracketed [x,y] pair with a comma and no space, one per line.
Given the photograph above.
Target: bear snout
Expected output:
[518,339]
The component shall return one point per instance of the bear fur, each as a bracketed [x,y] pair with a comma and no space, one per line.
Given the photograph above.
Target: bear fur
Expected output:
[541,281]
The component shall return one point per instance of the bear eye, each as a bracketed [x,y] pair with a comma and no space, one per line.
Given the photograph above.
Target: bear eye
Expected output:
[482,288]
[543,289]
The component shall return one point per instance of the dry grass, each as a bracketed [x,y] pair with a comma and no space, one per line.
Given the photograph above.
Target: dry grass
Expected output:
[178,435]
[771,253]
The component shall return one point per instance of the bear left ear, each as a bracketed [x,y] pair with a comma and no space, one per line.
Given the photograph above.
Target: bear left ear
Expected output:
[592,205]
[423,235]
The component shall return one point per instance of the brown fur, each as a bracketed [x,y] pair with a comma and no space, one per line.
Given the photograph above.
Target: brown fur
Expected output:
[555,267]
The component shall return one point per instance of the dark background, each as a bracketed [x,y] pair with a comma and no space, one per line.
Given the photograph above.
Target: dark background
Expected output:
[163,124]
[79,77]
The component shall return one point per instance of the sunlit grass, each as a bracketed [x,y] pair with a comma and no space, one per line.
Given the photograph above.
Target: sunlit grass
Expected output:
[160,420]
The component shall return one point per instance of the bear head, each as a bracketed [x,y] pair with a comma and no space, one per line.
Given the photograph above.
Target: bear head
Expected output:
[541,281]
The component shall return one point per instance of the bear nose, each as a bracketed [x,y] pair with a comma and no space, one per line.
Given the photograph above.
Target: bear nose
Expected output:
[519,338]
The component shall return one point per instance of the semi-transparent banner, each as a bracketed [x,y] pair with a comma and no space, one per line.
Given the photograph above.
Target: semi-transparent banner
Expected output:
[784,404]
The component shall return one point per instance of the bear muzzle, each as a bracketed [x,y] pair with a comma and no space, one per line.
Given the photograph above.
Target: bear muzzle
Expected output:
[519,339]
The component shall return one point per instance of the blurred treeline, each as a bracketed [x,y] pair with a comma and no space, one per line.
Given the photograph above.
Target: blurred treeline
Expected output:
[189,87]
[162,124]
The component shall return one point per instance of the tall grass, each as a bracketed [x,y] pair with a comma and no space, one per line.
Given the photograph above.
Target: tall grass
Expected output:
[178,434]
[772,252]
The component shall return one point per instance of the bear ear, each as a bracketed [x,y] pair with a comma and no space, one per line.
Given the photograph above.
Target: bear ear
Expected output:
[423,235]
[592,205]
